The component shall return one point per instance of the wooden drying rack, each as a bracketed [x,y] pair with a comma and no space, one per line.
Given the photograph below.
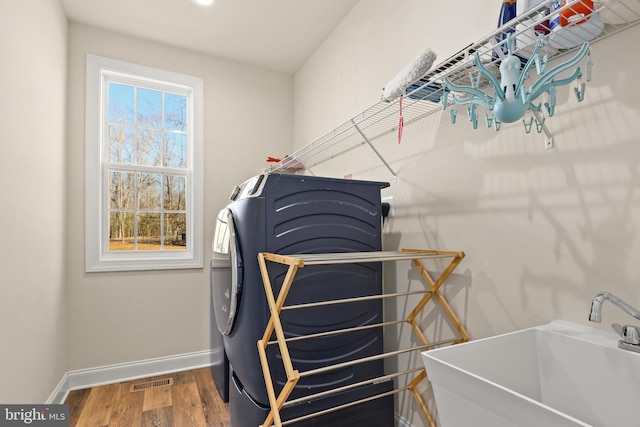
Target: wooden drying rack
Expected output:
[278,402]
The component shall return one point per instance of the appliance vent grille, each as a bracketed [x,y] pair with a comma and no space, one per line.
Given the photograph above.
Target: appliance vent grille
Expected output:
[151,384]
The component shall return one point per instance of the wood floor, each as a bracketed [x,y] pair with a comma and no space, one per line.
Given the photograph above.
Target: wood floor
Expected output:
[192,400]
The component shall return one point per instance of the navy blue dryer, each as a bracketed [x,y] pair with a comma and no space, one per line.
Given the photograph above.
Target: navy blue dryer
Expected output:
[290,214]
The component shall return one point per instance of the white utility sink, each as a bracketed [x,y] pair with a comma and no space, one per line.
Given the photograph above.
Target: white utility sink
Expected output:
[558,374]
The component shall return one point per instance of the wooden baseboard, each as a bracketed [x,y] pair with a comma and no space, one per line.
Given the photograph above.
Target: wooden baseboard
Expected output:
[86,378]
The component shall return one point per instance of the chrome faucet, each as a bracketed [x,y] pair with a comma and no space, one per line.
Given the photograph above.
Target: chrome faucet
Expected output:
[630,334]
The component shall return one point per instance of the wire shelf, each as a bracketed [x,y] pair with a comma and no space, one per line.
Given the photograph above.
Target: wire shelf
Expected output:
[423,97]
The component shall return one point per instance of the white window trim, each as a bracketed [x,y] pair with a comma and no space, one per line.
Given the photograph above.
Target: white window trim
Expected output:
[97,258]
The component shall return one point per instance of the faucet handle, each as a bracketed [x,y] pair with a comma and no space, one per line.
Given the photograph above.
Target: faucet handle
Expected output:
[630,334]
[618,328]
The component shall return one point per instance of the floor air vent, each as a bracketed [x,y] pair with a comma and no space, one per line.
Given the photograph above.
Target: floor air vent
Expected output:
[152,384]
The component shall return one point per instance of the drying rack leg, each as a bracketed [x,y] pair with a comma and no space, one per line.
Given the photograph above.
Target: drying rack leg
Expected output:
[440,299]
[416,395]
[435,292]
[274,325]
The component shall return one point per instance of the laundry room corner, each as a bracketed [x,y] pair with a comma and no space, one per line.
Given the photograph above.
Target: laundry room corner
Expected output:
[543,228]
[121,317]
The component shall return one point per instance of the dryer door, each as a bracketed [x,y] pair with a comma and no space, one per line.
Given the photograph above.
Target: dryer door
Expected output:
[226,293]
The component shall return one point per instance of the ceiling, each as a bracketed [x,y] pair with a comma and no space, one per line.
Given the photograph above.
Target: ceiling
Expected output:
[276,34]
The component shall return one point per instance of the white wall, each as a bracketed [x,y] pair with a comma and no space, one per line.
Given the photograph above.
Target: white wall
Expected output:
[543,231]
[125,317]
[378,37]
[33,42]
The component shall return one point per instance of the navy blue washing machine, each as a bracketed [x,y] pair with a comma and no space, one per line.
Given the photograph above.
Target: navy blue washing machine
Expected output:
[220,277]
[291,214]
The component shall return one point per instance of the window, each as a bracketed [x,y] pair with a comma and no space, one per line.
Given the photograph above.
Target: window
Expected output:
[144,172]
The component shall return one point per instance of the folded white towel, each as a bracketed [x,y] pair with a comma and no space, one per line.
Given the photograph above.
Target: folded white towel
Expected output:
[409,74]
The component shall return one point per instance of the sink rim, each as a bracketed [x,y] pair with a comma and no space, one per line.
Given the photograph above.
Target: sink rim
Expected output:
[561,327]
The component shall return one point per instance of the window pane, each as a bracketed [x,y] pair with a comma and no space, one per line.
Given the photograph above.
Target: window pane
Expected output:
[174,193]
[149,108]
[149,232]
[175,234]
[175,154]
[149,191]
[120,190]
[120,103]
[121,229]
[149,147]
[121,144]
[175,111]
